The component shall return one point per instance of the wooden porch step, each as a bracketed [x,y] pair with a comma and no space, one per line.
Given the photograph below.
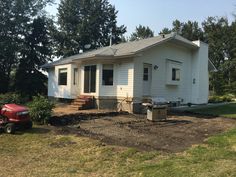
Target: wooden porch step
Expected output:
[79,101]
[78,104]
[82,102]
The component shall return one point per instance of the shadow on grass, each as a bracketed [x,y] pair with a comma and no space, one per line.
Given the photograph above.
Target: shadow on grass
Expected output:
[34,130]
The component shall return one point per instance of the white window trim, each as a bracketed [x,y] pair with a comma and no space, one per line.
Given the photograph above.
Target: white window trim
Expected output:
[170,65]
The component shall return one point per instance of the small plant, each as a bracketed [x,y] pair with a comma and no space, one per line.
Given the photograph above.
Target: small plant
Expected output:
[40,109]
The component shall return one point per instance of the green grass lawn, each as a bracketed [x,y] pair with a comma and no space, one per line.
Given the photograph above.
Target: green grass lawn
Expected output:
[40,152]
[228,110]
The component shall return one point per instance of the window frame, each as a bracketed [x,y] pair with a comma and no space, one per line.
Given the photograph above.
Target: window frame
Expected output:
[60,81]
[104,81]
[175,74]
[174,70]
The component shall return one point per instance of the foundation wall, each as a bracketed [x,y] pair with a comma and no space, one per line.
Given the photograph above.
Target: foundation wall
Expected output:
[114,103]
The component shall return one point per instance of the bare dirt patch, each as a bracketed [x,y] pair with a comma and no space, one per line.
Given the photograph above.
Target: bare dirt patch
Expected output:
[176,134]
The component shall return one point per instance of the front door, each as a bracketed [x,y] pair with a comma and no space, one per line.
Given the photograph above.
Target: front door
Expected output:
[147,79]
[90,79]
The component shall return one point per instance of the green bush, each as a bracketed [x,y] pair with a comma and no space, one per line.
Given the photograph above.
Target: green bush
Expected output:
[219,99]
[227,98]
[40,109]
[11,98]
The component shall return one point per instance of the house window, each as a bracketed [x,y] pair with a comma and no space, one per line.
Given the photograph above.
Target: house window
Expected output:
[75,76]
[107,75]
[62,76]
[175,74]
[145,73]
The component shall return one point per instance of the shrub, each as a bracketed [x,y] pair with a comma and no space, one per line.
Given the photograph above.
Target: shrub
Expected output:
[40,109]
[226,98]
[10,98]
[214,99]
[219,99]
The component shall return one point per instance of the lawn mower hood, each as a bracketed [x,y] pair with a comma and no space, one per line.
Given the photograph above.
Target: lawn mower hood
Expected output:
[15,112]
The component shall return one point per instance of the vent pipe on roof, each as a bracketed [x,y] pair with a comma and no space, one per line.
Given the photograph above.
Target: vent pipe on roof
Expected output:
[163,36]
[111,40]
[111,37]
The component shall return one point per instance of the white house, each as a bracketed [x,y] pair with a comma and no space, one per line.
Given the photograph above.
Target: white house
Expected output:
[167,66]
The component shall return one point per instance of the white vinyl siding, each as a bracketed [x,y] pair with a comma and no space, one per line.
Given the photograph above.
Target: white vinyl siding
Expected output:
[122,83]
[62,91]
[158,56]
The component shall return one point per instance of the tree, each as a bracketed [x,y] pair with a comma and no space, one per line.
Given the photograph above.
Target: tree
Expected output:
[37,50]
[177,27]
[86,23]
[15,16]
[192,31]
[141,32]
[189,30]
[165,31]
[220,35]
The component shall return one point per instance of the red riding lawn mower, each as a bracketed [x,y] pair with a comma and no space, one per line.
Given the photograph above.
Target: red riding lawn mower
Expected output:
[13,117]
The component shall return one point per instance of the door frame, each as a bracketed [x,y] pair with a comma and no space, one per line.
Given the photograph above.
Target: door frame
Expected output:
[91,81]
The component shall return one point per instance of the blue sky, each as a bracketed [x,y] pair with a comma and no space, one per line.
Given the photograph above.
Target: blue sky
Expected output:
[158,14]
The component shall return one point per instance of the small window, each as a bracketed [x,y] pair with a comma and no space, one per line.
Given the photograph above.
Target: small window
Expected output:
[62,79]
[145,74]
[175,74]
[75,76]
[107,75]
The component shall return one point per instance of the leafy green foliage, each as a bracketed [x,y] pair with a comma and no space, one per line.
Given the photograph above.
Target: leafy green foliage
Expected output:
[224,98]
[141,32]
[220,35]
[37,51]
[17,18]
[86,23]
[189,30]
[40,109]
[165,31]
[10,98]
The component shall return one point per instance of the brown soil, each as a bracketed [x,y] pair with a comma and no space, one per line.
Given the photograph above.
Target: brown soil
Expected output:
[175,134]
[65,109]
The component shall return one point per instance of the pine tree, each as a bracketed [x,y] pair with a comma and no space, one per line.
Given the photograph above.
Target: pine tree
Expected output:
[141,32]
[165,31]
[86,22]
[15,17]
[37,50]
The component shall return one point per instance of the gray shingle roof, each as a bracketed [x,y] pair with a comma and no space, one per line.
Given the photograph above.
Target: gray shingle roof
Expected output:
[123,49]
